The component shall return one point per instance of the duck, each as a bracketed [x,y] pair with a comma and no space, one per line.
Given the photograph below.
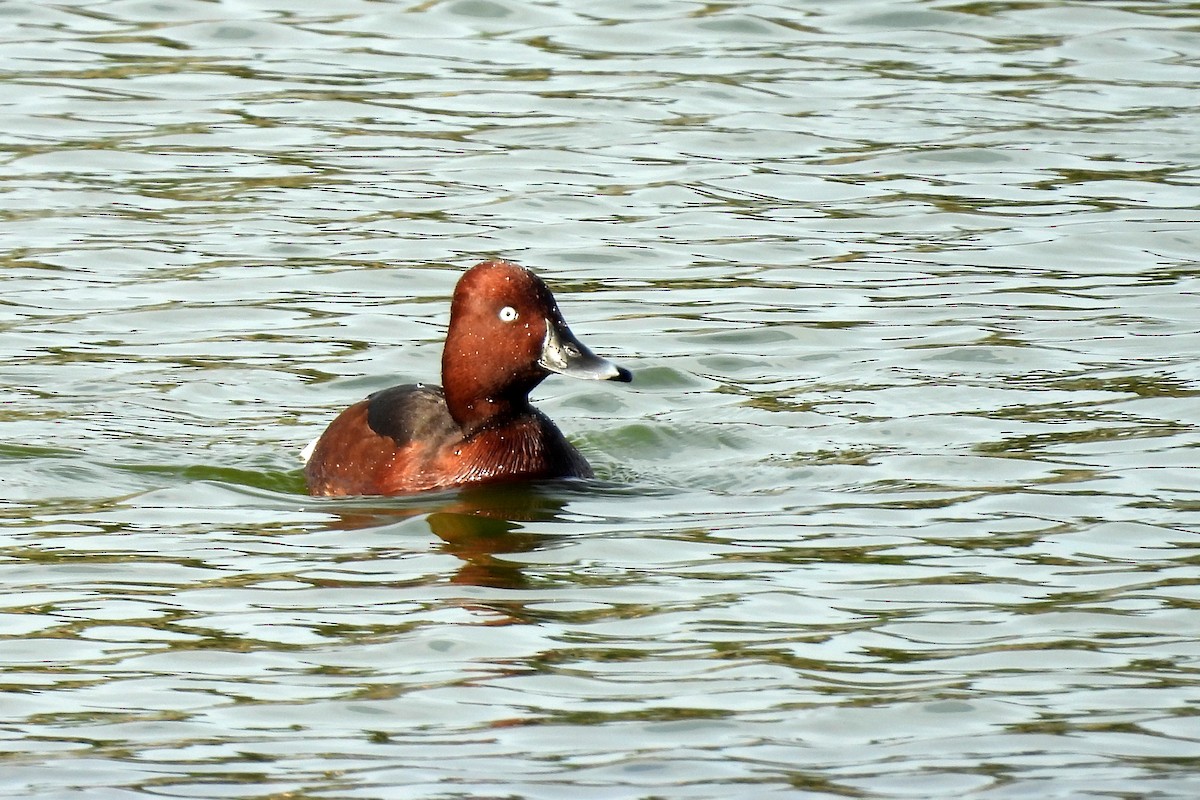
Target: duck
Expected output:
[506,336]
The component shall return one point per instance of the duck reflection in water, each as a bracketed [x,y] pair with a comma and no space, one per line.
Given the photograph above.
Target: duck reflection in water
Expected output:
[477,525]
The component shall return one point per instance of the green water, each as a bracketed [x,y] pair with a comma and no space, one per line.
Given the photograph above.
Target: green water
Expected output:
[903,501]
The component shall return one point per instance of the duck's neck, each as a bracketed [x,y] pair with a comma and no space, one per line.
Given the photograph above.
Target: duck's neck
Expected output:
[477,400]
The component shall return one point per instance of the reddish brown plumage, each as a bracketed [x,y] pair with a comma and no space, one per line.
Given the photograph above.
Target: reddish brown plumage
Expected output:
[351,458]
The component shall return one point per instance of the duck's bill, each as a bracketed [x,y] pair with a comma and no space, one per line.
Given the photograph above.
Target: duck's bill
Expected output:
[566,355]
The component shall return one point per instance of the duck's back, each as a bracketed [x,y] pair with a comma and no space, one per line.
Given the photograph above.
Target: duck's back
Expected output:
[377,436]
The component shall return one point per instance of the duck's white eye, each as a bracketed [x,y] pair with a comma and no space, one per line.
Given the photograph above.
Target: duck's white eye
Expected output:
[508,314]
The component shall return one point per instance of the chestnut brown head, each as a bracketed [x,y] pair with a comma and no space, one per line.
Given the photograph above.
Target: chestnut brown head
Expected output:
[506,335]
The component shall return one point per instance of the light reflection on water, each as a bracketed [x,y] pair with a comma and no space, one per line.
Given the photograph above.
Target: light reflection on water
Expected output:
[902,501]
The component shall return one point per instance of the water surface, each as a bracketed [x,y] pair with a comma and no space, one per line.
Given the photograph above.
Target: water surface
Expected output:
[902,503]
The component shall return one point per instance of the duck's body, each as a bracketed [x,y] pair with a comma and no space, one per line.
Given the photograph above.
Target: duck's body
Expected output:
[404,440]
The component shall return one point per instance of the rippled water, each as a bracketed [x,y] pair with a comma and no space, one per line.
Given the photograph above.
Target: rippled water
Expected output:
[903,501]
